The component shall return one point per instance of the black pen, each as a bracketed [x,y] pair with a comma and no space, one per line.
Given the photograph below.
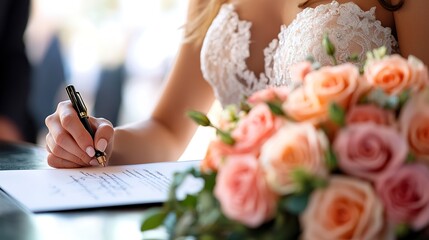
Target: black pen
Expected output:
[82,112]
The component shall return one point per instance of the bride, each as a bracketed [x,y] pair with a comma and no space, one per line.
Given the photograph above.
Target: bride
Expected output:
[232,49]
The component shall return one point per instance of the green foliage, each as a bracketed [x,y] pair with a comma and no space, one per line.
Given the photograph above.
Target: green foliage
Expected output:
[329,48]
[306,182]
[331,159]
[390,102]
[203,120]
[402,230]
[295,203]
[199,118]
[225,137]
[276,108]
[154,218]
[337,114]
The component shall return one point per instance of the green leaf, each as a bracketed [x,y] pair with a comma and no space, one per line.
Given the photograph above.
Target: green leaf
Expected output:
[244,106]
[296,203]
[209,181]
[410,158]
[276,108]
[331,159]
[207,209]
[337,114]
[190,201]
[403,97]
[327,45]
[225,137]
[353,57]
[306,182]
[329,48]
[155,218]
[170,223]
[402,230]
[184,223]
[199,118]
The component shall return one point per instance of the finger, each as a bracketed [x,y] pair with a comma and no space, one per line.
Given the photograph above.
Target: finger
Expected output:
[61,137]
[76,132]
[57,162]
[104,134]
[59,152]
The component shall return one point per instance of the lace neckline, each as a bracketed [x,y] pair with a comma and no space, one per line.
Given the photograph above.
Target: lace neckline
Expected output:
[370,14]
[248,76]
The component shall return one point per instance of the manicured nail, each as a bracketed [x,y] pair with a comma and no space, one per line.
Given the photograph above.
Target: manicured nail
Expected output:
[94,162]
[102,145]
[90,151]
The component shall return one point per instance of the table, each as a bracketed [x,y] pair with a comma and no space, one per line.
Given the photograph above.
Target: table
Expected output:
[17,223]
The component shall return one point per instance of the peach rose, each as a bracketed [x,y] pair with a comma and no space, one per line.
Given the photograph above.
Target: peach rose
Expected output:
[333,84]
[419,73]
[414,124]
[254,129]
[347,209]
[299,70]
[215,156]
[321,88]
[369,151]
[301,107]
[293,146]
[269,94]
[405,195]
[243,194]
[369,113]
[392,74]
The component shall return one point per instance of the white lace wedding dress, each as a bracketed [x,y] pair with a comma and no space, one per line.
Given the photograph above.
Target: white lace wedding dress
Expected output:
[226,46]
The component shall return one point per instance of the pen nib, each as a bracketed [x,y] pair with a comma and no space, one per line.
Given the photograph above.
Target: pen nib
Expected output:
[102,160]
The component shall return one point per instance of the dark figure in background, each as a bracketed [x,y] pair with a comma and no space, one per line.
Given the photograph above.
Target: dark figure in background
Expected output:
[15,120]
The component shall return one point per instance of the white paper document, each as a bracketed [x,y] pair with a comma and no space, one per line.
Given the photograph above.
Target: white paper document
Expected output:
[68,189]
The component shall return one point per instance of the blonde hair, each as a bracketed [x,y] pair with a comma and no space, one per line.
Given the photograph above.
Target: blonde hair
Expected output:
[201,19]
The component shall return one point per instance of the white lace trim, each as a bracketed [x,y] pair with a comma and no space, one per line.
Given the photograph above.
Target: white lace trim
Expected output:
[352,31]
[223,58]
[226,46]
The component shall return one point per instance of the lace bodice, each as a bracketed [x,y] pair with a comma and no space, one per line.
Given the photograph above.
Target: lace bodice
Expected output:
[223,58]
[226,46]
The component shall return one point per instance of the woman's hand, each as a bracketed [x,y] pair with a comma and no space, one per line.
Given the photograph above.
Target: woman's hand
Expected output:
[69,144]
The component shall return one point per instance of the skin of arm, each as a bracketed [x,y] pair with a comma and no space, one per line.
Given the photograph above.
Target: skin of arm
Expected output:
[412,26]
[168,131]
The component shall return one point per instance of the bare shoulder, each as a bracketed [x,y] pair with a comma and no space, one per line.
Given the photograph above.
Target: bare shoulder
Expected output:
[412,27]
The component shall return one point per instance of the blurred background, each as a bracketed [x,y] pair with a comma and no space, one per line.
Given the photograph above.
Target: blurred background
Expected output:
[117,53]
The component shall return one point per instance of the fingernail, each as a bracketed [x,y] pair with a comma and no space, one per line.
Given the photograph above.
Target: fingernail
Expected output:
[90,151]
[102,144]
[94,162]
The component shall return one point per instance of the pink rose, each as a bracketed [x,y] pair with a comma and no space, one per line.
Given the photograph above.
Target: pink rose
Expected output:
[254,129]
[368,150]
[329,84]
[269,94]
[405,195]
[414,124]
[299,70]
[369,113]
[392,74]
[243,194]
[347,209]
[293,146]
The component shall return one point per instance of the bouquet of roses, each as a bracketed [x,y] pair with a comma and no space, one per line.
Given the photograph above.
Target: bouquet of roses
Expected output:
[342,155]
